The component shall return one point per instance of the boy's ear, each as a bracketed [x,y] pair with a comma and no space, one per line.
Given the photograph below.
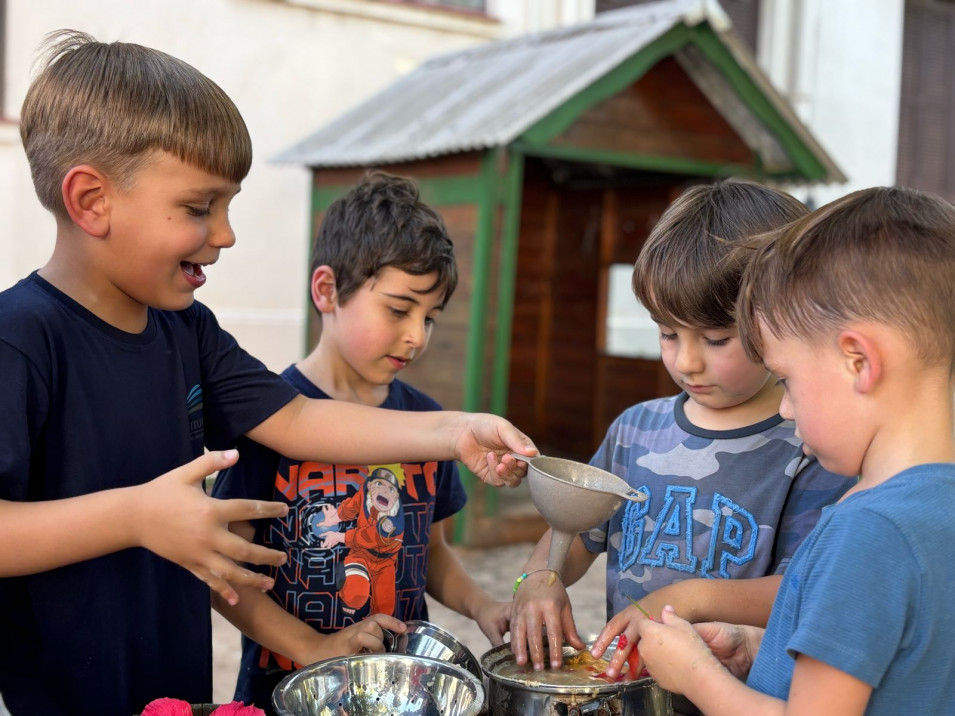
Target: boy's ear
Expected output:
[862,358]
[324,293]
[85,190]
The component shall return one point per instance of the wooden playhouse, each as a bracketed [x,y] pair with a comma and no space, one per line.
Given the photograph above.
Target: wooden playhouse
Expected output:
[550,157]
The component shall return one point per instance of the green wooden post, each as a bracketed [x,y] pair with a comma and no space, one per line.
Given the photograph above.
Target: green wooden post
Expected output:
[477,328]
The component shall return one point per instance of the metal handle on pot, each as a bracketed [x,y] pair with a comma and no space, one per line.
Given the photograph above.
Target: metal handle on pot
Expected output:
[389,638]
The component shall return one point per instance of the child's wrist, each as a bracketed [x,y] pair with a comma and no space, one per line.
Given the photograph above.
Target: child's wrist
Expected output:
[552,577]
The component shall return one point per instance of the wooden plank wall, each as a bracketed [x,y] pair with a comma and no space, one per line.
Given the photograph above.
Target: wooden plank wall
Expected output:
[564,391]
[663,114]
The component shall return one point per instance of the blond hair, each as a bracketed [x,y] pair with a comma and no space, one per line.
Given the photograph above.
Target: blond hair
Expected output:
[113,105]
[881,254]
[689,268]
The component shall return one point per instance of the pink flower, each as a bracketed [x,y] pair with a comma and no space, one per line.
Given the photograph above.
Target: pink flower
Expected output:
[167,707]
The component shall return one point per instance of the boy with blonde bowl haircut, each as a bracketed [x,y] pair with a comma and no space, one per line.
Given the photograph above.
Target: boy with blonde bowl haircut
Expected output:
[363,541]
[853,309]
[113,375]
[731,494]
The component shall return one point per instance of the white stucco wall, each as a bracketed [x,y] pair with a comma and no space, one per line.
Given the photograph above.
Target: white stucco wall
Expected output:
[290,66]
[840,65]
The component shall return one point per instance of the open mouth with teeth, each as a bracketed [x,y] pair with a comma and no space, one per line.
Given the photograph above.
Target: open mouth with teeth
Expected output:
[193,273]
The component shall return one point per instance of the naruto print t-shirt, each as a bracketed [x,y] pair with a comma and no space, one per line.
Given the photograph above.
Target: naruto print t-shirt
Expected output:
[356,535]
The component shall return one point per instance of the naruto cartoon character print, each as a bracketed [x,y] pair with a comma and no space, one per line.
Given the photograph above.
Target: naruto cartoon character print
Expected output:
[371,546]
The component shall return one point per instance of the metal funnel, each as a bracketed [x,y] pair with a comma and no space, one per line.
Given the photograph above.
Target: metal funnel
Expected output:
[573,497]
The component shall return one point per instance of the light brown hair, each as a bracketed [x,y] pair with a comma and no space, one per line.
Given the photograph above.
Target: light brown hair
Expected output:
[689,268]
[113,105]
[881,254]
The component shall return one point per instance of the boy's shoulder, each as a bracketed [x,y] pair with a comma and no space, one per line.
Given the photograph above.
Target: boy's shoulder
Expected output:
[667,417]
[655,413]
[26,310]
[40,321]
[23,296]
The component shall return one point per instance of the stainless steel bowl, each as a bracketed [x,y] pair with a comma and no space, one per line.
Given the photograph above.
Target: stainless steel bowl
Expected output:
[379,685]
[426,639]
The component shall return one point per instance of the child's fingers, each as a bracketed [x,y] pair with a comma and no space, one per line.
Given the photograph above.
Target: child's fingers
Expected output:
[492,469]
[555,644]
[669,617]
[204,465]
[511,476]
[611,629]
[222,588]
[242,551]
[569,630]
[386,621]
[221,566]
[222,575]
[238,510]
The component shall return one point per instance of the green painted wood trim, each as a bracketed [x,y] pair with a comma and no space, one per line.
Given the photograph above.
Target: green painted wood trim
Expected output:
[607,86]
[649,162]
[512,193]
[436,191]
[507,280]
[709,43]
[477,327]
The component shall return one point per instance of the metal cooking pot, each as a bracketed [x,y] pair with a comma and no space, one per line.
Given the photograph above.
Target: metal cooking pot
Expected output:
[510,695]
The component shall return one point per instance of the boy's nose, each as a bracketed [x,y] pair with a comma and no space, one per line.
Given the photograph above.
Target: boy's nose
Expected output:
[222,236]
[688,358]
[417,334]
[786,409]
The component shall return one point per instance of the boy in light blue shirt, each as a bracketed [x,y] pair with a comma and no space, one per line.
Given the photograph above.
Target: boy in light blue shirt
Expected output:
[853,310]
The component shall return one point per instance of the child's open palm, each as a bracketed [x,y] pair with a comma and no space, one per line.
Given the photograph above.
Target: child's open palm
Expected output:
[178,521]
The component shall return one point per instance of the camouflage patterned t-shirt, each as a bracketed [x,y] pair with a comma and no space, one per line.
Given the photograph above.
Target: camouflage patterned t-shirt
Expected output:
[723,504]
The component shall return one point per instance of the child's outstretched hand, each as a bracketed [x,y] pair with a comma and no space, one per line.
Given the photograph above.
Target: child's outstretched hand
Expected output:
[484,443]
[541,604]
[175,519]
[494,619]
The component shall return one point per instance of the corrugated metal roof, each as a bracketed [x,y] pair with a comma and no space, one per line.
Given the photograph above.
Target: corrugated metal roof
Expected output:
[487,96]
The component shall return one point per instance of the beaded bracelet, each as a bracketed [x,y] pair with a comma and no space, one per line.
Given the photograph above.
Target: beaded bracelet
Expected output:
[525,575]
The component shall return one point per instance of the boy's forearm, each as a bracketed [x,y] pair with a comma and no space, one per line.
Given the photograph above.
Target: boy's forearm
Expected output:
[338,431]
[38,536]
[716,692]
[261,619]
[448,582]
[736,601]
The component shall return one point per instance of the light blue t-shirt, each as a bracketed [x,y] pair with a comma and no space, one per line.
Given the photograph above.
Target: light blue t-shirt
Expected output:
[870,592]
[723,504]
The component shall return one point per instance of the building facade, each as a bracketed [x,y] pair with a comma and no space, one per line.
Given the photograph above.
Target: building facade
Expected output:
[867,77]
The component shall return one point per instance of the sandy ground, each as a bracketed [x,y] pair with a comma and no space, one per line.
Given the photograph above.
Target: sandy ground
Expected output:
[494,568]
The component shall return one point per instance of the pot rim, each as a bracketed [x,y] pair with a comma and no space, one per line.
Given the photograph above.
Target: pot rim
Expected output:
[598,687]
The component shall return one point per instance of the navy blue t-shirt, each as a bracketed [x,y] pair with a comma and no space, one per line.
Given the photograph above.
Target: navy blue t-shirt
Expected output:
[371,556]
[86,407]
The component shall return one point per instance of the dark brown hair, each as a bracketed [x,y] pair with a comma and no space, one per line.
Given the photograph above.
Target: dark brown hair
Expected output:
[689,269]
[382,222]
